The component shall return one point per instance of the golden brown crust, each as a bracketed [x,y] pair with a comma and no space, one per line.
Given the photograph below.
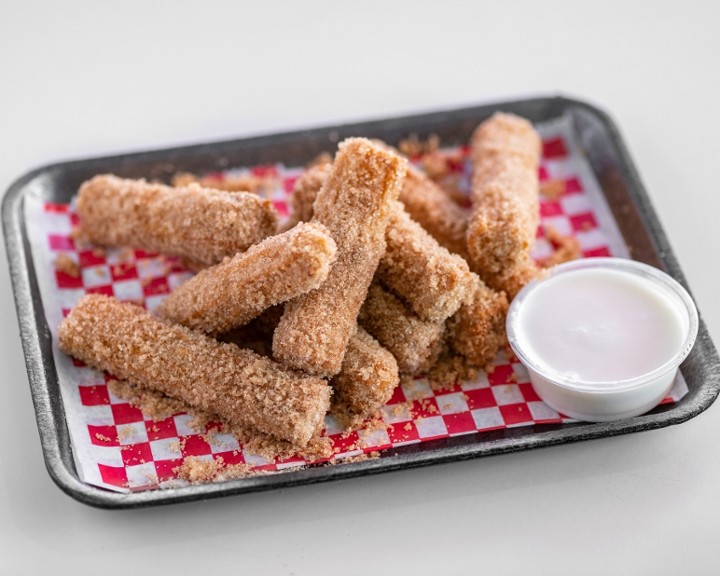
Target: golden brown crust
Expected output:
[505,192]
[242,183]
[193,222]
[431,207]
[432,281]
[477,331]
[368,376]
[415,343]
[220,378]
[354,204]
[305,191]
[238,289]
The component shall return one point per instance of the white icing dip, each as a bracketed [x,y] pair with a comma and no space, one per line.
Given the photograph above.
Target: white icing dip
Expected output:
[602,338]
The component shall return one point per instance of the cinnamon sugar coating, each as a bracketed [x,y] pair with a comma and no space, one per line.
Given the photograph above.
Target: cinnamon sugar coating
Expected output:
[197,223]
[242,183]
[236,384]
[432,281]
[354,204]
[238,289]
[368,376]
[415,343]
[505,192]
[434,210]
[477,331]
[305,191]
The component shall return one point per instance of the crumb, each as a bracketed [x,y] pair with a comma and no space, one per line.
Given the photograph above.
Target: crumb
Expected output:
[449,370]
[63,263]
[103,438]
[413,147]
[552,189]
[565,248]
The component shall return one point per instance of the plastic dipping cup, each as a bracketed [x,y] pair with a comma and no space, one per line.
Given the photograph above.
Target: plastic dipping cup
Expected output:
[602,338]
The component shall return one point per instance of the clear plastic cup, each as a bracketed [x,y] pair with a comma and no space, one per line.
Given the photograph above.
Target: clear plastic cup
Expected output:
[600,401]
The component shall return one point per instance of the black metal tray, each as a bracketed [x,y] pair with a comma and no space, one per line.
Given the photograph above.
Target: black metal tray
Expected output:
[613,169]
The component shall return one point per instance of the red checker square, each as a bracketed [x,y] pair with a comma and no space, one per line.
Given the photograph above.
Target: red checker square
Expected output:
[77,363]
[344,442]
[194,445]
[140,254]
[264,171]
[502,374]
[126,414]
[548,208]
[554,148]
[289,183]
[281,207]
[56,208]
[459,423]
[515,414]
[454,164]
[398,396]
[74,220]
[104,290]
[166,469]
[266,467]
[65,312]
[123,271]
[402,432]
[424,408]
[66,281]
[231,457]
[161,429]
[156,286]
[116,476]
[103,435]
[60,242]
[543,173]
[573,185]
[91,258]
[94,395]
[597,252]
[582,222]
[528,393]
[480,398]
[134,454]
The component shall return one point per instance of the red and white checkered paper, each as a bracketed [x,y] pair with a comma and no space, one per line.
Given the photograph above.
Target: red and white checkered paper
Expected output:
[115,447]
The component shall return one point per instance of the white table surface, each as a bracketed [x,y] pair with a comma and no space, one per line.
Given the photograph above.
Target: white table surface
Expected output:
[82,79]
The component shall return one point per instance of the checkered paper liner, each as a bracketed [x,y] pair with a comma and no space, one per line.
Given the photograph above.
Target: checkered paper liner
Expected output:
[116,448]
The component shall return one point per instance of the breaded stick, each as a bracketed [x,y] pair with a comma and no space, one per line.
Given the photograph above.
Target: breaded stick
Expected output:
[431,207]
[236,384]
[243,183]
[197,223]
[305,191]
[431,280]
[415,343]
[238,289]
[368,376]
[505,192]
[354,204]
[477,331]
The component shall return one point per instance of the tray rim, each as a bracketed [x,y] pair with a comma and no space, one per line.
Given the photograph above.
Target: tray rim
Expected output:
[50,415]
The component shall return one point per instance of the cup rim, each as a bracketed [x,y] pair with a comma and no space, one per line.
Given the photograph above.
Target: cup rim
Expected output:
[622,264]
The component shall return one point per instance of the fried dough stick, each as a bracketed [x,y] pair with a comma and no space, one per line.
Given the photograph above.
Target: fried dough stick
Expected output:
[477,331]
[236,384]
[432,281]
[197,223]
[238,289]
[354,204]
[505,191]
[415,343]
[368,376]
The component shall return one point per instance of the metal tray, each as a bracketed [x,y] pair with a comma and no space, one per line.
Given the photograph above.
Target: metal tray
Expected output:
[613,169]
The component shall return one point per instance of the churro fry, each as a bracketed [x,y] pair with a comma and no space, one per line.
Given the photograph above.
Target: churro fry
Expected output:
[242,183]
[431,280]
[477,331]
[506,155]
[431,207]
[354,204]
[368,376]
[196,223]
[236,384]
[238,289]
[305,191]
[415,343]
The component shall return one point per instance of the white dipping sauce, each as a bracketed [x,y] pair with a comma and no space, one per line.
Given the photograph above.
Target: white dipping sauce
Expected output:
[602,338]
[598,325]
